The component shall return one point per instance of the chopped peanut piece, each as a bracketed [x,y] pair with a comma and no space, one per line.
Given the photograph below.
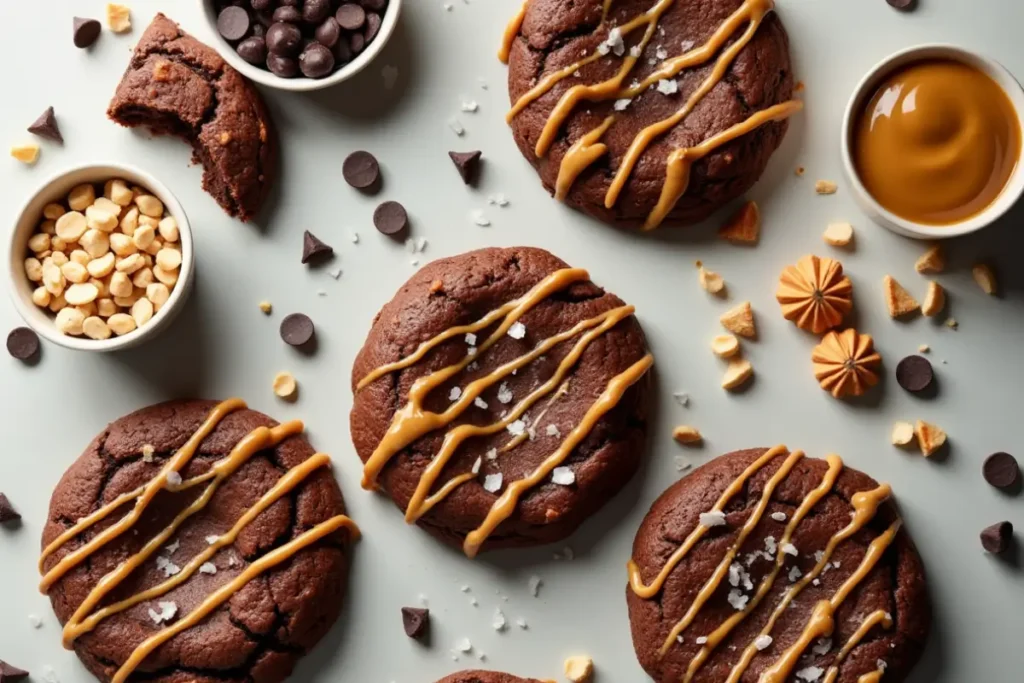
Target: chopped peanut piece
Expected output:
[744,226]
[838,234]
[934,300]
[285,386]
[986,278]
[930,438]
[932,261]
[825,187]
[924,348]
[685,434]
[740,320]
[710,281]
[897,299]
[902,433]
[266,307]
[725,346]
[952,324]
[119,18]
[738,372]
[26,154]
[579,669]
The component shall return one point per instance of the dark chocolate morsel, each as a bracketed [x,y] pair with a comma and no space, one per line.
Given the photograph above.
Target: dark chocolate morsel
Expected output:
[253,50]
[415,621]
[297,329]
[316,61]
[46,126]
[233,23]
[284,40]
[285,67]
[86,32]
[390,218]
[360,170]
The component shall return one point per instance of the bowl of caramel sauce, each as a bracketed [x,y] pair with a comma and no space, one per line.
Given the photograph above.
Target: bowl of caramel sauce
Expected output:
[932,141]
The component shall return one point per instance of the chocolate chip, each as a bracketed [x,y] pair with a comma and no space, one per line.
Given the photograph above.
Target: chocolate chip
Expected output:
[314,249]
[46,126]
[284,40]
[11,674]
[253,50]
[342,51]
[1001,470]
[316,61]
[374,5]
[86,32]
[996,538]
[350,16]
[285,67]
[315,11]
[901,4]
[288,15]
[415,621]
[372,26]
[360,170]
[914,373]
[357,42]
[390,218]
[467,164]
[297,329]
[7,511]
[233,23]
[328,32]
[260,5]
[22,343]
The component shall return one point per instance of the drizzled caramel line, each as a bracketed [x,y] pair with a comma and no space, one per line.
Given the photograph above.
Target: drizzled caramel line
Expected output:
[711,585]
[822,620]
[877,617]
[872,677]
[504,506]
[716,637]
[225,592]
[865,506]
[648,591]
[511,31]
[580,156]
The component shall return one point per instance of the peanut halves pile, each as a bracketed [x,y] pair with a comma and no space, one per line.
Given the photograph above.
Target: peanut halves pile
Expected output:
[105,265]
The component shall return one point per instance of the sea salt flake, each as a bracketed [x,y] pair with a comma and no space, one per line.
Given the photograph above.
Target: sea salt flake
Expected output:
[603,49]
[836,564]
[661,53]
[492,482]
[335,273]
[552,430]
[166,613]
[822,646]
[482,656]
[50,675]
[355,238]
[737,599]
[700,640]
[615,42]
[208,568]
[172,548]
[687,45]
[816,582]
[480,403]
[819,555]
[682,463]
[770,545]
[635,51]
[794,574]
[480,219]
[620,105]
[516,428]
[473,602]
[498,622]
[810,674]
[521,623]
[456,127]
[881,664]
[681,398]
[173,478]
[492,454]
[471,351]
[563,476]
[517,331]
[779,516]
[470,106]
[790,549]
[668,86]
[762,642]
[471,339]
[464,588]
[454,394]
[463,645]
[476,466]
[534,584]
[211,539]
[35,621]
[734,573]
[166,566]
[504,393]
[713,518]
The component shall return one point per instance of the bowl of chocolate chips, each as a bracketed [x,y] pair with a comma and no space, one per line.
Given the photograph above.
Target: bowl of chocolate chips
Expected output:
[301,44]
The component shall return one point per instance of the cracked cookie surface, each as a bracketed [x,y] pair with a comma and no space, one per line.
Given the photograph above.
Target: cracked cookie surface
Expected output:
[895,586]
[261,632]
[176,85]
[556,34]
[460,290]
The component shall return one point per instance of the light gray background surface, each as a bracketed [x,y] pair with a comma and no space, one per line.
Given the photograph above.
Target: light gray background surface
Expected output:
[222,345]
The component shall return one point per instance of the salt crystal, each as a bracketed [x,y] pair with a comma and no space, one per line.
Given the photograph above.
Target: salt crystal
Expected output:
[661,53]
[456,127]
[172,548]
[682,463]
[700,640]
[516,428]
[454,394]
[563,475]
[211,539]
[492,482]
[770,545]
[173,478]
[480,219]
[552,430]
[35,621]
[517,331]
[463,645]
[635,51]
[476,466]
[779,516]
[208,568]
[504,393]
[491,454]
[790,549]
[480,403]
[713,518]
[521,623]
[682,398]
[737,599]
[534,583]
[794,574]
[687,45]
[470,106]
[471,339]
[762,642]
[810,674]
[498,622]
[668,86]
[620,105]
[822,646]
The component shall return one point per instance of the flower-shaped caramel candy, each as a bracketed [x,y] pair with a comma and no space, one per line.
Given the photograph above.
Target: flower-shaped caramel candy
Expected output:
[846,363]
[815,294]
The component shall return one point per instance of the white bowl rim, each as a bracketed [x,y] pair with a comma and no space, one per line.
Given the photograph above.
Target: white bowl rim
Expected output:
[304,84]
[1007,197]
[30,312]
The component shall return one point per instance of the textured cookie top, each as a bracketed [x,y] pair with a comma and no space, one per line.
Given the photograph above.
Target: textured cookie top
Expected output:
[764,565]
[273,613]
[508,390]
[176,85]
[589,79]
[485,677]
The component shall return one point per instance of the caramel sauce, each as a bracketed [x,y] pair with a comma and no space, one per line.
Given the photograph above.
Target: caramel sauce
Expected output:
[937,142]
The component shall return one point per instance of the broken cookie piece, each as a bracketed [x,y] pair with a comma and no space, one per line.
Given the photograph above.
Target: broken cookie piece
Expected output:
[897,299]
[932,261]
[930,437]
[934,299]
[740,320]
[838,234]
[744,226]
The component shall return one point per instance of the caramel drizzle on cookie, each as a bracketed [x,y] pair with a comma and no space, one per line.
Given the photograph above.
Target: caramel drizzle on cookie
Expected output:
[85,619]
[412,421]
[680,160]
[865,506]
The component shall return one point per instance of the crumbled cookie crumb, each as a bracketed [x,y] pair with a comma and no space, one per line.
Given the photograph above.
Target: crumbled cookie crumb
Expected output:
[898,299]
[725,346]
[930,437]
[27,153]
[800,170]
[579,669]
[986,278]
[838,234]
[285,386]
[685,434]
[119,18]
[952,324]
[902,433]
[710,281]
[934,299]
[744,226]
[266,307]
[740,320]
[825,187]
[737,374]
[931,261]
[924,348]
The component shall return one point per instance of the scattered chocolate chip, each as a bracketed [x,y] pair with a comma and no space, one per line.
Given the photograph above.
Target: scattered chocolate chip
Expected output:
[11,674]
[233,23]
[7,511]
[328,32]
[297,329]
[253,50]
[374,5]
[287,14]
[46,126]
[284,40]
[415,621]
[316,61]
[914,373]
[360,170]
[285,67]
[373,22]
[22,343]
[86,32]
[996,538]
[314,249]
[350,16]
[390,218]
[1001,470]
[260,5]
[467,164]
[315,11]
[901,4]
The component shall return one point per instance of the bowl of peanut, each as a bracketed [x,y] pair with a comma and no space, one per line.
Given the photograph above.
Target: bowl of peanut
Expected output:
[101,258]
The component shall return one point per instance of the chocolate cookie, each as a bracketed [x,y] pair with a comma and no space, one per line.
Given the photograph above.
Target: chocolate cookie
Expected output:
[764,565]
[175,85]
[500,398]
[279,574]
[485,677]
[584,131]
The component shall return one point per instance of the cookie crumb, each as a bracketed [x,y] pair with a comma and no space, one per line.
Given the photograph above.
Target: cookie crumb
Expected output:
[744,226]
[897,299]
[934,299]
[725,346]
[738,372]
[799,171]
[838,234]
[740,320]
[931,261]
[119,18]
[952,324]
[285,386]
[579,669]
[902,433]
[825,187]
[930,437]
[266,307]
[710,281]
[924,348]
[685,434]
[986,278]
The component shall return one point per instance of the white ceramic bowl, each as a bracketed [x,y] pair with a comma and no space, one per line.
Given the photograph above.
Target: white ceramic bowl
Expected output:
[866,88]
[301,83]
[56,189]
